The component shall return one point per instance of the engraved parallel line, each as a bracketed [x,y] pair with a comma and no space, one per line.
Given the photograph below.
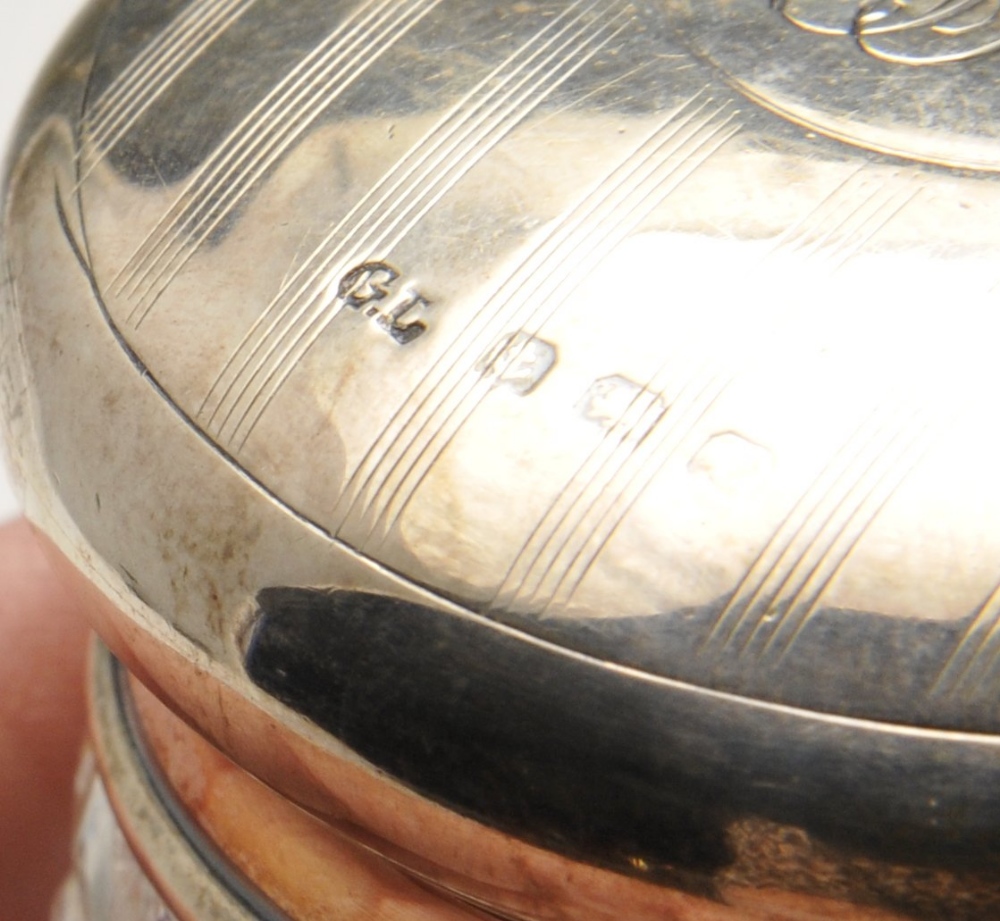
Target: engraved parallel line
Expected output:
[526,576]
[274,151]
[489,319]
[855,230]
[819,542]
[980,678]
[547,306]
[587,46]
[772,556]
[768,564]
[607,518]
[161,45]
[304,108]
[278,117]
[794,237]
[494,314]
[579,101]
[312,277]
[837,228]
[831,197]
[483,131]
[596,469]
[880,209]
[862,234]
[829,567]
[553,291]
[244,134]
[153,79]
[564,550]
[461,166]
[308,337]
[970,658]
[129,93]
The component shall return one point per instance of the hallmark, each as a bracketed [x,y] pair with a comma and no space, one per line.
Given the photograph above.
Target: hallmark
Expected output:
[618,403]
[519,361]
[365,288]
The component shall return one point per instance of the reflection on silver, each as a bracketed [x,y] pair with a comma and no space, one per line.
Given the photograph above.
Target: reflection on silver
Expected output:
[657,338]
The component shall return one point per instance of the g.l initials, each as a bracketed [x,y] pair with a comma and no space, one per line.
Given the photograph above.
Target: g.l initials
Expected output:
[369,288]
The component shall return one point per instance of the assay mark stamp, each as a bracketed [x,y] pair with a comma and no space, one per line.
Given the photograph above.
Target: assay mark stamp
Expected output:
[365,288]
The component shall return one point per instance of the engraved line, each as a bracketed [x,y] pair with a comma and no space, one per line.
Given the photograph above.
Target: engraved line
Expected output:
[542,295]
[675,439]
[309,103]
[880,209]
[821,539]
[162,45]
[594,93]
[462,164]
[153,80]
[319,262]
[968,657]
[867,511]
[715,138]
[127,98]
[802,530]
[484,127]
[765,567]
[275,122]
[490,318]
[840,229]
[828,531]
[463,161]
[983,672]
[246,131]
[523,585]
[796,237]
[537,292]
[597,468]
[865,232]
[320,323]
[834,229]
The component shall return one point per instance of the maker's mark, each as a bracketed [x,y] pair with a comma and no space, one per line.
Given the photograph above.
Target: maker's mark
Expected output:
[911,32]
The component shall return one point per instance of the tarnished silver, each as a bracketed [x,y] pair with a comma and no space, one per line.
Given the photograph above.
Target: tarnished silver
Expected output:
[554,442]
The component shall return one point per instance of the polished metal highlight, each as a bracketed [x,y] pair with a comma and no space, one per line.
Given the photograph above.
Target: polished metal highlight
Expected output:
[553,442]
[108,882]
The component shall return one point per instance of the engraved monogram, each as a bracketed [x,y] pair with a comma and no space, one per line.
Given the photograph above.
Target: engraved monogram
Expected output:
[915,32]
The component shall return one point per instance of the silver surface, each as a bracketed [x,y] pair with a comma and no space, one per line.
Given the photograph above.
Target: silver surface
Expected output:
[657,338]
[28,32]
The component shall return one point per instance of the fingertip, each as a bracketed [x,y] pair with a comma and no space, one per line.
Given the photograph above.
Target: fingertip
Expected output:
[43,641]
